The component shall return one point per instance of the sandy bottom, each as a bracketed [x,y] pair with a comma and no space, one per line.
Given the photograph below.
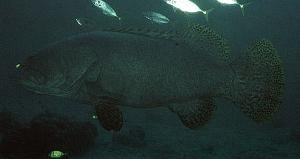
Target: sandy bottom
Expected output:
[214,143]
[169,139]
[229,135]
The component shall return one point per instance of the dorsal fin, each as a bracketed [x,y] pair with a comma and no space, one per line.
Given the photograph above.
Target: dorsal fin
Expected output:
[154,33]
[204,38]
[198,37]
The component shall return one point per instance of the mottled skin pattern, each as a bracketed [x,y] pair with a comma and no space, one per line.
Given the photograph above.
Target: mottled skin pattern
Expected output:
[139,71]
[144,68]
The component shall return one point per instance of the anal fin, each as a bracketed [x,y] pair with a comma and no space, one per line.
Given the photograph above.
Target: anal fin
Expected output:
[109,115]
[194,114]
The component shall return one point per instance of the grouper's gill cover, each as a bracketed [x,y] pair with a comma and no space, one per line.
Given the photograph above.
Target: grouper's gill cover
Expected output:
[58,69]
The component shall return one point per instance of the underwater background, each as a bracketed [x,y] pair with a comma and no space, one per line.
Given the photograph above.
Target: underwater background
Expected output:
[28,118]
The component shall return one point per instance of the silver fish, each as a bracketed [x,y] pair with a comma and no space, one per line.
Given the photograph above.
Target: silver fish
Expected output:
[84,22]
[156,17]
[235,2]
[106,8]
[188,6]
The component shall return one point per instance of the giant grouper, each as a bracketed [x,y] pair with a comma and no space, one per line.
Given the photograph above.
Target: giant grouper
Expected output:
[142,68]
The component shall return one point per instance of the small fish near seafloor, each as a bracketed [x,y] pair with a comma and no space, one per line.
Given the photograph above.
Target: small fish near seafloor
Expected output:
[106,8]
[56,154]
[115,67]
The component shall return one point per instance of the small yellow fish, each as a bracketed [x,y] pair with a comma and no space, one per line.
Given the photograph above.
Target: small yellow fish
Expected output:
[57,154]
[18,66]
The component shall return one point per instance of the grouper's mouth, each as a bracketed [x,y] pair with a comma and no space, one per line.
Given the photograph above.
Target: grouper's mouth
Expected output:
[39,85]
[31,86]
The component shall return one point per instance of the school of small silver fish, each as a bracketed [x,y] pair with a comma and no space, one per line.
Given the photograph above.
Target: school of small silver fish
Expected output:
[185,6]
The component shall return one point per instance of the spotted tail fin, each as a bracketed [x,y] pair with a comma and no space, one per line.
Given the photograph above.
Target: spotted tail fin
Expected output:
[259,81]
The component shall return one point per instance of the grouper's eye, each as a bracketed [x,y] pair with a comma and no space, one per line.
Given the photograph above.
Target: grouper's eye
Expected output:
[33,70]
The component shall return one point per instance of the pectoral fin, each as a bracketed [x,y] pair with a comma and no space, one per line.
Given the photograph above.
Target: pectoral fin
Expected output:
[194,114]
[106,105]
[109,115]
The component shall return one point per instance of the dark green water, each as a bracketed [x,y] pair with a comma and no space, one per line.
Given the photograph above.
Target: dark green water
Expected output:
[26,26]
